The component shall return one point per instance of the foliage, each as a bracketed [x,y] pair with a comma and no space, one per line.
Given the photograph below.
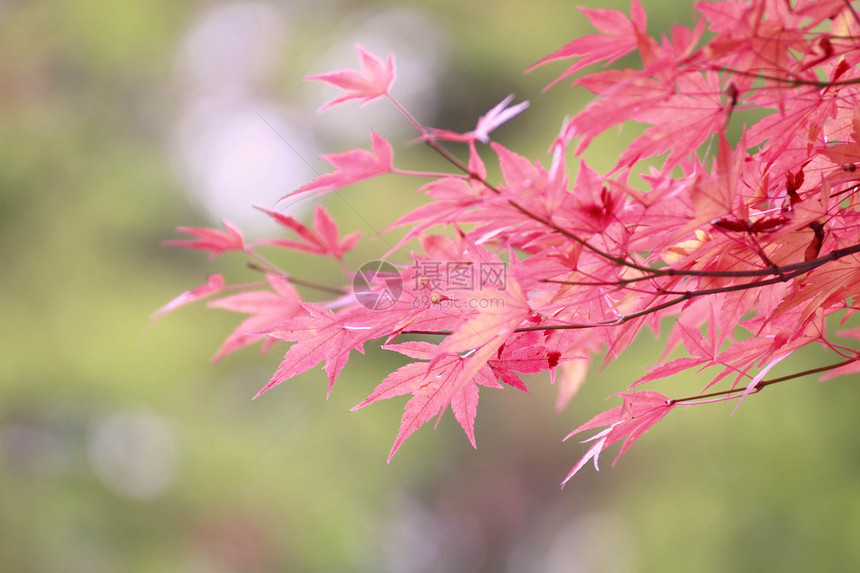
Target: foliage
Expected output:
[752,245]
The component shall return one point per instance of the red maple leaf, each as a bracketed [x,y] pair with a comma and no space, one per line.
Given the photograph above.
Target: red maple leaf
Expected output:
[522,352]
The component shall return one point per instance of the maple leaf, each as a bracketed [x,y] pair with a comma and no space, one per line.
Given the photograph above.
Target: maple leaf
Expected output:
[373,81]
[634,417]
[435,385]
[522,352]
[500,114]
[323,240]
[847,153]
[680,123]
[717,197]
[519,173]
[701,351]
[487,123]
[624,93]
[268,308]
[212,240]
[353,166]
[621,36]
[214,284]
[318,336]
[486,331]
[570,381]
[453,196]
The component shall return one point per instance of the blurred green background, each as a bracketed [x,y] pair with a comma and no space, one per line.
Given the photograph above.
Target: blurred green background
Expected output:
[122,448]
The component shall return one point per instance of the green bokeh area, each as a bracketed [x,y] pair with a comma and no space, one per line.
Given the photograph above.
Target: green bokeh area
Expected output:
[123,448]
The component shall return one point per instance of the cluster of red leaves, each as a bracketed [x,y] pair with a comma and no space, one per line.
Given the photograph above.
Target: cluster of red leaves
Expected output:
[752,246]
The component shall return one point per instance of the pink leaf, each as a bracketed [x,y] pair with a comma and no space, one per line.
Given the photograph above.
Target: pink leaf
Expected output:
[318,336]
[268,308]
[353,166]
[487,123]
[500,114]
[522,352]
[434,386]
[214,283]
[373,81]
[323,240]
[620,36]
[634,417]
[570,381]
[212,240]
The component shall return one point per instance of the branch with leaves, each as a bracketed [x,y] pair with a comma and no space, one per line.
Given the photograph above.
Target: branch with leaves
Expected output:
[752,246]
